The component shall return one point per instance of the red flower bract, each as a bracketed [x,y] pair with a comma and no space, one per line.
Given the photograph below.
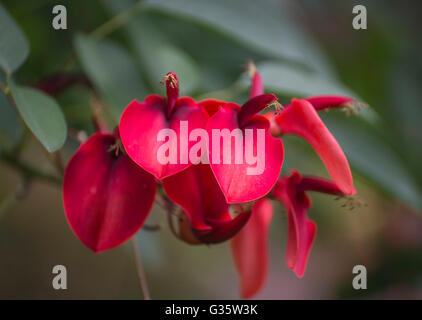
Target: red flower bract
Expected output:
[301,231]
[204,203]
[301,119]
[327,102]
[250,248]
[107,197]
[141,123]
[235,182]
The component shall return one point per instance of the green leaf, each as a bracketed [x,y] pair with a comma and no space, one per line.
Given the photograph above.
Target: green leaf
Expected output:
[158,57]
[261,25]
[371,155]
[294,81]
[112,71]
[290,81]
[360,136]
[10,125]
[42,115]
[155,52]
[14,48]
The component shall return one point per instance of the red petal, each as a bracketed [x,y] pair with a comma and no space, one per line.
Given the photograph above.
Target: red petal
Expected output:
[235,182]
[301,230]
[319,185]
[172,89]
[139,127]
[250,249]
[106,198]
[254,105]
[223,230]
[204,204]
[327,102]
[197,192]
[274,128]
[257,87]
[301,119]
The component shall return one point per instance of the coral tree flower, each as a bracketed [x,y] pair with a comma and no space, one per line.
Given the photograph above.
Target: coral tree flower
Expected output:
[141,123]
[107,197]
[236,183]
[208,216]
[250,249]
[249,246]
[291,191]
[301,119]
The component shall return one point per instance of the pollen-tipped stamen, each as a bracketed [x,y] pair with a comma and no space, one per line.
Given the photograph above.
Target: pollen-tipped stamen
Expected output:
[353,107]
[351,201]
[117,148]
[277,106]
[172,88]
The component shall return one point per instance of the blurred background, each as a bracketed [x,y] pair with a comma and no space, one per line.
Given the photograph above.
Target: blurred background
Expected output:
[301,48]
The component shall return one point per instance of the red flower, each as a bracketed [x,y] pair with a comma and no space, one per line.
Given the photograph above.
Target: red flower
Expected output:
[291,191]
[301,119]
[107,197]
[250,249]
[202,200]
[327,102]
[234,178]
[249,246]
[141,123]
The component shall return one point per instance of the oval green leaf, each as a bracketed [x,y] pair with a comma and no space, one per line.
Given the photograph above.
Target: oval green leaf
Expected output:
[14,47]
[112,71]
[42,115]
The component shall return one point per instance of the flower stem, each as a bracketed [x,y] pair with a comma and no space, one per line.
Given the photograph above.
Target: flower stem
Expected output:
[27,170]
[13,198]
[141,274]
[117,21]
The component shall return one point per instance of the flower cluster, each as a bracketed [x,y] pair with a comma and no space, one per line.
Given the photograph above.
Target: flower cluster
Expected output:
[111,182]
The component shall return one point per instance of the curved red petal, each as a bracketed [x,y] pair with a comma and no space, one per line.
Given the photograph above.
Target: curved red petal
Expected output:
[172,90]
[223,230]
[318,184]
[301,230]
[327,102]
[200,193]
[141,123]
[301,119]
[257,87]
[204,204]
[106,198]
[250,249]
[254,105]
[274,128]
[243,182]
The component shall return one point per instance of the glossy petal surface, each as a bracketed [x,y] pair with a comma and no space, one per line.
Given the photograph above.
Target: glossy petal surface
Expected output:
[106,198]
[140,126]
[197,192]
[302,119]
[235,179]
[250,249]
[301,230]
